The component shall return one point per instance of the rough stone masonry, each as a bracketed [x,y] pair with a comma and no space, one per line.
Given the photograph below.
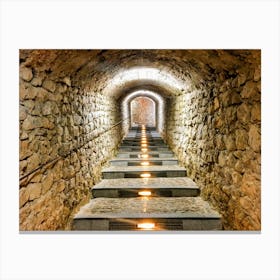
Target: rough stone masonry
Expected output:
[69,127]
[56,117]
[216,131]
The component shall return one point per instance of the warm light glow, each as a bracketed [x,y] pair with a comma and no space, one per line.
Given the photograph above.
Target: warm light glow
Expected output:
[145,163]
[146,226]
[157,98]
[145,193]
[144,150]
[150,75]
[144,145]
[145,156]
[145,175]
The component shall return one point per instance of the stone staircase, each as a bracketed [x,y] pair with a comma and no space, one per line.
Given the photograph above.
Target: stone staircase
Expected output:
[144,188]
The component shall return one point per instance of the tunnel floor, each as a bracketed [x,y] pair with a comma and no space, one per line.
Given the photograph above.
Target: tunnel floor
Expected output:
[145,189]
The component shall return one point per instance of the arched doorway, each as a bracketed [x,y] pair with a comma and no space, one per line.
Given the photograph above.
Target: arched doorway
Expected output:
[143,111]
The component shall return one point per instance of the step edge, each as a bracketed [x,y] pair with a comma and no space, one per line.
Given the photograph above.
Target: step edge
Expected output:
[214,216]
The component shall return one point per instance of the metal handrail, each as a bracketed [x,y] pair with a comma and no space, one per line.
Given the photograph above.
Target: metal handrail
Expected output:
[68,153]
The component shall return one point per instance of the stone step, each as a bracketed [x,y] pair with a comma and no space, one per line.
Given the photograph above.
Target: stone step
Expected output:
[139,127]
[138,161]
[139,145]
[138,148]
[129,187]
[150,143]
[140,133]
[114,172]
[151,132]
[156,213]
[155,154]
[139,137]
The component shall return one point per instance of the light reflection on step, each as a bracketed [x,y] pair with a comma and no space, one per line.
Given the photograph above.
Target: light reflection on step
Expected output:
[137,196]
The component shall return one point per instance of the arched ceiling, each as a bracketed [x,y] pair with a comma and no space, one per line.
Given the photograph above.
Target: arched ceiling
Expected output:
[142,93]
[115,72]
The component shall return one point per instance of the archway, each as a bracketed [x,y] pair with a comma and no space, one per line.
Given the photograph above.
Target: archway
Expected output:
[143,111]
[159,102]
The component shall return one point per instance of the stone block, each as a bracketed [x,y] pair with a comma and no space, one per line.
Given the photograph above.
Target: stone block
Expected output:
[236,178]
[34,190]
[49,85]
[229,141]
[230,97]
[255,138]
[60,185]
[47,182]
[22,113]
[222,158]
[257,74]
[26,73]
[68,172]
[256,112]
[249,90]
[37,81]
[24,150]
[241,139]
[23,196]
[241,78]
[33,161]
[243,113]
[32,122]
[216,104]
[67,81]
[47,108]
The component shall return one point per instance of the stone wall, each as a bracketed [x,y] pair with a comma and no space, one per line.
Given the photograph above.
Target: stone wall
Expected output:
[213,124]
[215,130]
[57,117]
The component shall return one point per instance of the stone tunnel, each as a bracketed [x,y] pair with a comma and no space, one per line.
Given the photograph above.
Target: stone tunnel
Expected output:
[76,106]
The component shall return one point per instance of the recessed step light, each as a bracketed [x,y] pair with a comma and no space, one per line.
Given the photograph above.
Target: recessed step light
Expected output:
[145,175]
[145,193]
[144,156]
[146,226]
